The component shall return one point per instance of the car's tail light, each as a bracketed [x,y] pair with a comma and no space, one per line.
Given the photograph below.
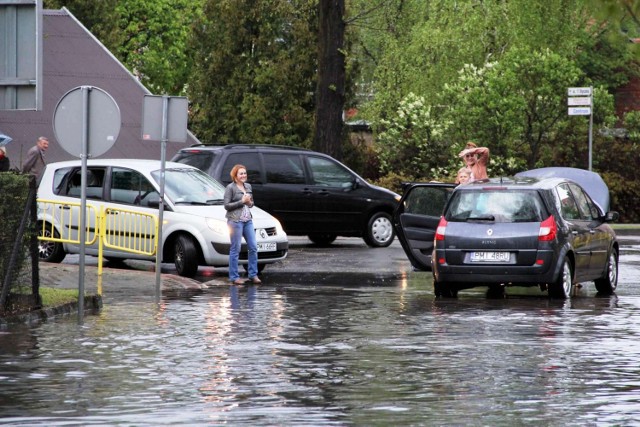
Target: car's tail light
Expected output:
[440,230]
[548,229]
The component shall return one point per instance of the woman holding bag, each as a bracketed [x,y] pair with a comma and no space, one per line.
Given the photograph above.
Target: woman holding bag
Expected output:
[238,200]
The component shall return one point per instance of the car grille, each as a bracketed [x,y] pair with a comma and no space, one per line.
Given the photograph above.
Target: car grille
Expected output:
[271,231]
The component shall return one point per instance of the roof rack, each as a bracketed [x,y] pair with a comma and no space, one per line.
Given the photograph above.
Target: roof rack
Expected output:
[253,146]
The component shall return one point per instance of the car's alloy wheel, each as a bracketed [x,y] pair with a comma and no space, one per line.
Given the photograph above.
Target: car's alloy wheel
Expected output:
[608,283]
[562,287]
[379,233]
[49,251]
[186,256]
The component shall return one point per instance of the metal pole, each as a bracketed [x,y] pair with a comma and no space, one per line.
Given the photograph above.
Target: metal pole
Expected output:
[83,197]
[590,131]
[165,112]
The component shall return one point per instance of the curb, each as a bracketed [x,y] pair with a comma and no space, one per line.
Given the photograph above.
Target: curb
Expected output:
[92,304]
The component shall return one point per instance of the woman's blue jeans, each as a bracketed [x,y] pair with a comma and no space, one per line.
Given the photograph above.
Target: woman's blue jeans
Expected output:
[238,229]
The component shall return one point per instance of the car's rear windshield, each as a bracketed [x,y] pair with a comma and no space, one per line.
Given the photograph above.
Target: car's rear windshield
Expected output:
[201,159]
[496,205]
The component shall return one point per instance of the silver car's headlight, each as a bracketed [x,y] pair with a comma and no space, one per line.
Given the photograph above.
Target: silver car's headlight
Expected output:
[279,229]
[218,226]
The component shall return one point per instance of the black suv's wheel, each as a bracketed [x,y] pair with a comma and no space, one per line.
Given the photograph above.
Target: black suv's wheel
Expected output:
[322,239]
[562,287]
[47,250]
[379,232]
[186,256]
[608,283]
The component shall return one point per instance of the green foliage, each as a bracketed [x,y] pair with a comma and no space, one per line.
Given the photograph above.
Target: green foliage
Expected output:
[97,16]
[410,141]
[155,49]
[632,124]
[253,79]
[14,190]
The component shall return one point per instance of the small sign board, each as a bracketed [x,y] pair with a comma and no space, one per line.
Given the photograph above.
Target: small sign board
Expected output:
[579,100]
[176,118]
[579,91]
[579,111]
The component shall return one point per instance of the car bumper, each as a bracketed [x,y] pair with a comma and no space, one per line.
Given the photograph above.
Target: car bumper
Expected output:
[471,275]
[282,249]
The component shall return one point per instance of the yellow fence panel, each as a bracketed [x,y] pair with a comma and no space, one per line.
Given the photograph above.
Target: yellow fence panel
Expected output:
[130,231]
[65,216]
[120,229]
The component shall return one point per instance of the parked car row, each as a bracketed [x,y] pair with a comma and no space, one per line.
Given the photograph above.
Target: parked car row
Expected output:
[547,228]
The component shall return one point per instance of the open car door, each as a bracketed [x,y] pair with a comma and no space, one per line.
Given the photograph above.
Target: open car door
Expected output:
[416,218]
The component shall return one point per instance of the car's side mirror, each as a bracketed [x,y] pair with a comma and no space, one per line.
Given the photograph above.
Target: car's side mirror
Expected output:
[155,203]
[611,216]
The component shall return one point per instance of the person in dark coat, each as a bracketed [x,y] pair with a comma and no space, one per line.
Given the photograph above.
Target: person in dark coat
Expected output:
[4,160]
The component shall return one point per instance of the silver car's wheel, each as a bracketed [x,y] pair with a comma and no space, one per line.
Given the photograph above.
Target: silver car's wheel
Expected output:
[562,287]
[186,256]
[379,232]
[608,283]
[47,250]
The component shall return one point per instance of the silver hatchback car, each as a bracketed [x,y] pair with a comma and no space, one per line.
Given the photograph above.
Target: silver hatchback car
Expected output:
[194,230]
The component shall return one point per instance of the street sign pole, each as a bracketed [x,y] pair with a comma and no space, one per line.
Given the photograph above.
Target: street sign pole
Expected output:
[165,113]
[580,103]
[590,136]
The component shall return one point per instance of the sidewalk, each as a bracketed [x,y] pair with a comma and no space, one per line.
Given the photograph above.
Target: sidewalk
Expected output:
[118,285]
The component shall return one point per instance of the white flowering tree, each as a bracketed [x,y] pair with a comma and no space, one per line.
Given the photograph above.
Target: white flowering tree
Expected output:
[410,141]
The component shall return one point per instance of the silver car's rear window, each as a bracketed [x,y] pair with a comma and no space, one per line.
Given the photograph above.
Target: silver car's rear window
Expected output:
[496,205]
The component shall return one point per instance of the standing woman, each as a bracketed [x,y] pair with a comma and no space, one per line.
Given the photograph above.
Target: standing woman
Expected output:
[237,201]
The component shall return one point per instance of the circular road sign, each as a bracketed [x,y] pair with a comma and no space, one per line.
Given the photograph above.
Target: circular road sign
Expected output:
[103,124]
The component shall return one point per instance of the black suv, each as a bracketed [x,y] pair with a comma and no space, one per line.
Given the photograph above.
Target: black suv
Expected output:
[309,192]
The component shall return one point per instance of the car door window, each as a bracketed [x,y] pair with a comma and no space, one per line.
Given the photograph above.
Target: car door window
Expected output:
[427,201]
[94,183]
[325,172]
[131,187]
[251,161]
[284,169]
[588,211]
[568,206]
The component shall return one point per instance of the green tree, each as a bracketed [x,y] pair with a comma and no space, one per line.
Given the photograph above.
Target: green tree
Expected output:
[97,16]
[518,106]
[253,79]
[154,46]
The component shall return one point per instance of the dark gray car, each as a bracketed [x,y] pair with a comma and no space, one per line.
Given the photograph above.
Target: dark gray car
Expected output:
[540,230]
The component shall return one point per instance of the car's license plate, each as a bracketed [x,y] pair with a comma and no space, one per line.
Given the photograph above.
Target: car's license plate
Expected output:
[490,256]
[266,247]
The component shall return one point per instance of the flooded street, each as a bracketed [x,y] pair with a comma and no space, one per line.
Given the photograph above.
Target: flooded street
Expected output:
[337,347]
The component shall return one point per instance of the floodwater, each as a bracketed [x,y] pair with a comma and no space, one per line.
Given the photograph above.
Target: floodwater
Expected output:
[334,355]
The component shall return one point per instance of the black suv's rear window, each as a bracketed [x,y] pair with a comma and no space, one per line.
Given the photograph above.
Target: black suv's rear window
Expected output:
[496,205]
[200,159]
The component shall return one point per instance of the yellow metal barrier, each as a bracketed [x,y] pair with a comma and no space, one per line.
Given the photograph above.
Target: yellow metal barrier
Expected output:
[128,230]
[121,229]
[66,216]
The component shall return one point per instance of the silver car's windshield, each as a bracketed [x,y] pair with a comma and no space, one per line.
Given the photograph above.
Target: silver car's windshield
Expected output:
[498,206]
[190,186]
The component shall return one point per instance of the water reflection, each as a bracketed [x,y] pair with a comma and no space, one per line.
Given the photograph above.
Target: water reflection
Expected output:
[319,355]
